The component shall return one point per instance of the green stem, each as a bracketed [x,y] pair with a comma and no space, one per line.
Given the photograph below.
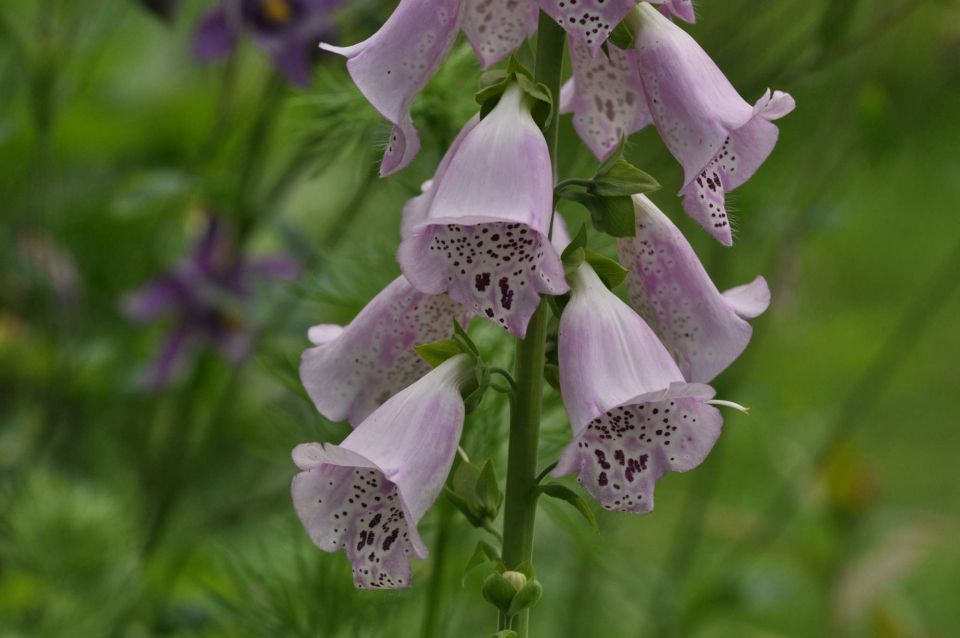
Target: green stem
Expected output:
[521,501]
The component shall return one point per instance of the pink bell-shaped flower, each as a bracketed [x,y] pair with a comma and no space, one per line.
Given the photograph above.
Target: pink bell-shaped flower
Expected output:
[479,232]
[367,494]
[704,330]
[352,370]
[719,138]
[634,417]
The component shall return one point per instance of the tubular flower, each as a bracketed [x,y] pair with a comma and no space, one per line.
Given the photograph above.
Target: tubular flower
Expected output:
[287,30]
[634,417]
[391,66]
[352,370]
[367,494]
[479,231]
[394,64]
[704,330]
[718,138]
[205,295]
[605,96]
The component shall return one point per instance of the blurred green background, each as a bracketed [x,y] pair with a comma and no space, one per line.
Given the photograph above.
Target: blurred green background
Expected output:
[832,510]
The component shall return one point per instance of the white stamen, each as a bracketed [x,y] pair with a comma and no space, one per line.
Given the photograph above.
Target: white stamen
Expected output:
[729,404]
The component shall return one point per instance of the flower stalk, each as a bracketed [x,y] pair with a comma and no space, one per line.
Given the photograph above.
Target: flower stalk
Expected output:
[525,407]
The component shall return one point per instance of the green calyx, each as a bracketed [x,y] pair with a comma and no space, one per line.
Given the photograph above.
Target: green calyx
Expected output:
[607,195]
[494,82]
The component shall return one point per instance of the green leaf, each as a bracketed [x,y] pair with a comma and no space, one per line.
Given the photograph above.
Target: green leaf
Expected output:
[525,598]
[439,351]
[614,157]
[488,492]
[610,271]
[579,241]
[611,215]
[564,493]
[623,178]
[483,553]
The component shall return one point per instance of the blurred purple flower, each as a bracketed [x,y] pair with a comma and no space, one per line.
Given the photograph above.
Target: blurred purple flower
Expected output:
[287,30]
[205,295]
[367,494]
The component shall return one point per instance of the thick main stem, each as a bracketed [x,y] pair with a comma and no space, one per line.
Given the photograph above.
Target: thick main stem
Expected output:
[521,502]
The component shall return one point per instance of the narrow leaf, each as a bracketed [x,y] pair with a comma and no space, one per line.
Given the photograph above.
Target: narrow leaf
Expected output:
[437,352]
[623,178]
[610,271]
[564,493]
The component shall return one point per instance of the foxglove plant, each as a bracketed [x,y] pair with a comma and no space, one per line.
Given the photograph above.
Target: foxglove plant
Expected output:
[482,238]
[286,30]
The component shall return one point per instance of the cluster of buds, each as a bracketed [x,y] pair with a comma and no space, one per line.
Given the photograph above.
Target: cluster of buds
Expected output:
[482,240]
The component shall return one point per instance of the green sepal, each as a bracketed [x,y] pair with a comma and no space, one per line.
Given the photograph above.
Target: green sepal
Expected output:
[542,110]
[460,335]
[557,303]
[564,493]
[611,215]
[609,270]
[463,506]
[439,351]
[572,260]
[488,491]
[498,591]
[578,241]
[525,598]
[623,178]
[483,553]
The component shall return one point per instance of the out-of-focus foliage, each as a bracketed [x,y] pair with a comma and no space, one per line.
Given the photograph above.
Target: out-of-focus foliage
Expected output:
[831,510]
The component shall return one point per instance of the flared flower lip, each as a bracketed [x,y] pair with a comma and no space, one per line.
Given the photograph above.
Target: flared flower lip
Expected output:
[676,390]
[310,456]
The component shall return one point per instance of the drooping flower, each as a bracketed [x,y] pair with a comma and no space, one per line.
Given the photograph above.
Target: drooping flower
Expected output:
[367,494]
[479,231]
[634,417]
[718,138]
[204,295]
[605,96]
[391,66]
[704,330]
[394,64]
[287,30]
[352,370]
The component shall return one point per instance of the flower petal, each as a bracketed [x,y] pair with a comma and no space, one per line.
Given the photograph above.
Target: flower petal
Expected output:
[495,28]
[623,453]
[216,36]
[480,230]
[633,416]
[606,97]
[666,283]
[351,372]
[588,21]
[367,494]
[394,64]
